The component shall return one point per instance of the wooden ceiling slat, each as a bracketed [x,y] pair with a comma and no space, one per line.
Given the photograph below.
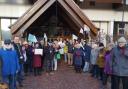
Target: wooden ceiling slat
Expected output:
[71,13]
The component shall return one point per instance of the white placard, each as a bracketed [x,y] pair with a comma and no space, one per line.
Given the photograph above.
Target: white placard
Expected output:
[38,51]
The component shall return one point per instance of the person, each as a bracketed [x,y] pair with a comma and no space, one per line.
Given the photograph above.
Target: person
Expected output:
[49,57]
[101,61]
[86,60]
[17,46]
[56,59]
[37,61]
[107,69]
[119,64]
[65,51]
[10,64]
[78,57]
[27,55]
[93,59]
[70,52]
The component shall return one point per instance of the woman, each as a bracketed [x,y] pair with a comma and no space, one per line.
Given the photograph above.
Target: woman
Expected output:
[78,57]
[36,61]
[119,64]
[101,61]
[107,69]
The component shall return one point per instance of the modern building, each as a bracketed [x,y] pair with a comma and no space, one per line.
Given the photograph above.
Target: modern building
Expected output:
[110,16]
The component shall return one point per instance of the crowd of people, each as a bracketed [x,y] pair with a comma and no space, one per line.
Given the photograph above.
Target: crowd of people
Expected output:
[19,59]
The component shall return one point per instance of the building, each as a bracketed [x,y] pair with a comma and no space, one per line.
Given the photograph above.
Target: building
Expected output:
[109,16]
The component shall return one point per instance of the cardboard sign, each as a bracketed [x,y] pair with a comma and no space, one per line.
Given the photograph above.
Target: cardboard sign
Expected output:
[38,51]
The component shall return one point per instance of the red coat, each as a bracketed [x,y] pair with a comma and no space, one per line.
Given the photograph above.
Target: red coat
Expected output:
[36,61]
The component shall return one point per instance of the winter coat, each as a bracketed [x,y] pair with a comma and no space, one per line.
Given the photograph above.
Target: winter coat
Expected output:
[29,55]
[36,60]
[107,68]
[65,49]
[101,60]
[10,62]
[87,52]
[119,61]
[18,49]
[70,48]
[93,56]
[78,56]
[49,52]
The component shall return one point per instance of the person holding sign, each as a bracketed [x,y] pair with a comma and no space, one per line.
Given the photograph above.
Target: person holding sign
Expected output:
[37,59]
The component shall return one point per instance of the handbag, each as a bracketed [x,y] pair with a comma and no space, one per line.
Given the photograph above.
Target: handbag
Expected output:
[58,57]
[4,86]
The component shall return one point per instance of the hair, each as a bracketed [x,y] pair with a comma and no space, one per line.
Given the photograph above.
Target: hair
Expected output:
[101,44]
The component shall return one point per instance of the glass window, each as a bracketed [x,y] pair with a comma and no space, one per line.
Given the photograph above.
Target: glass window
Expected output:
[5,23]
[126,2]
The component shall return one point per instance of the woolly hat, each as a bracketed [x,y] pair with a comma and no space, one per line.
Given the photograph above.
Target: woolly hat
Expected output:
[7,41]
[122,40]
[25,43]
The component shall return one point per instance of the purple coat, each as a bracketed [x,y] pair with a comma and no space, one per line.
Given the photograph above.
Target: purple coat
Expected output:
[107,68]
[78,56]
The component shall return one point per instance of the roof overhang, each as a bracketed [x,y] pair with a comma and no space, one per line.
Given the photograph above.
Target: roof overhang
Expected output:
[74,12]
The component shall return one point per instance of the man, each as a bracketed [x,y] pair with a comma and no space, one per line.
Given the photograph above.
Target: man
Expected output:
[86,61]
[17,47]
[10,64]
[119,64]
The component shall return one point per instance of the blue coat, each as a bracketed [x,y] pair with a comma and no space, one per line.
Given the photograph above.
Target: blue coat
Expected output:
[78,56]
[119,61]
[10,63]
[87,52]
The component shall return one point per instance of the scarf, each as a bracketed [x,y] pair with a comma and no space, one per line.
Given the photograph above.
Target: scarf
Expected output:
[122,50]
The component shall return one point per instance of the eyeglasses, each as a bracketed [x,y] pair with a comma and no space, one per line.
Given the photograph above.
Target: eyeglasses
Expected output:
[7,43]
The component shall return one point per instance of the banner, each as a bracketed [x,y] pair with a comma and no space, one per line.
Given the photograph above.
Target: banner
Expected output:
[45,37]
[74,37]
[32,38]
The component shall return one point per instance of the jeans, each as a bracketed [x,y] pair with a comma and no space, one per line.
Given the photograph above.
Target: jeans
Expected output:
[55,63]
[70,58]
[95,71]
[49,66]
[115,82]
[86,67]
[10,80]
[65,57]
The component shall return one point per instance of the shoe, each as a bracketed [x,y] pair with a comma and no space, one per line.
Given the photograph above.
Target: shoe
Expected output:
[21,85]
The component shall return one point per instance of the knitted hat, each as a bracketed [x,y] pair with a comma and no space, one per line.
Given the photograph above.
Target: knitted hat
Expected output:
[122,40]
[7,41]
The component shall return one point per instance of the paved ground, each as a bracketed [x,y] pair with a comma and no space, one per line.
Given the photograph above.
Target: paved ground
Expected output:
[64,78]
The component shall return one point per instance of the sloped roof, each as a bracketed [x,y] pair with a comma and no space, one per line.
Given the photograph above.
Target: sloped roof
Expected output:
[41,6]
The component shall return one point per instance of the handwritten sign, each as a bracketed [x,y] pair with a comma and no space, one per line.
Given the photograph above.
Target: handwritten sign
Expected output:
[38,51]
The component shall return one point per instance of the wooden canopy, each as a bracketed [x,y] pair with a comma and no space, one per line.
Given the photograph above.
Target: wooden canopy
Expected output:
[41,6]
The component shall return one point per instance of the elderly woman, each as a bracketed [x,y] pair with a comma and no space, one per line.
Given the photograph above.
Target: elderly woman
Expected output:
[119,64]
[78,57]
